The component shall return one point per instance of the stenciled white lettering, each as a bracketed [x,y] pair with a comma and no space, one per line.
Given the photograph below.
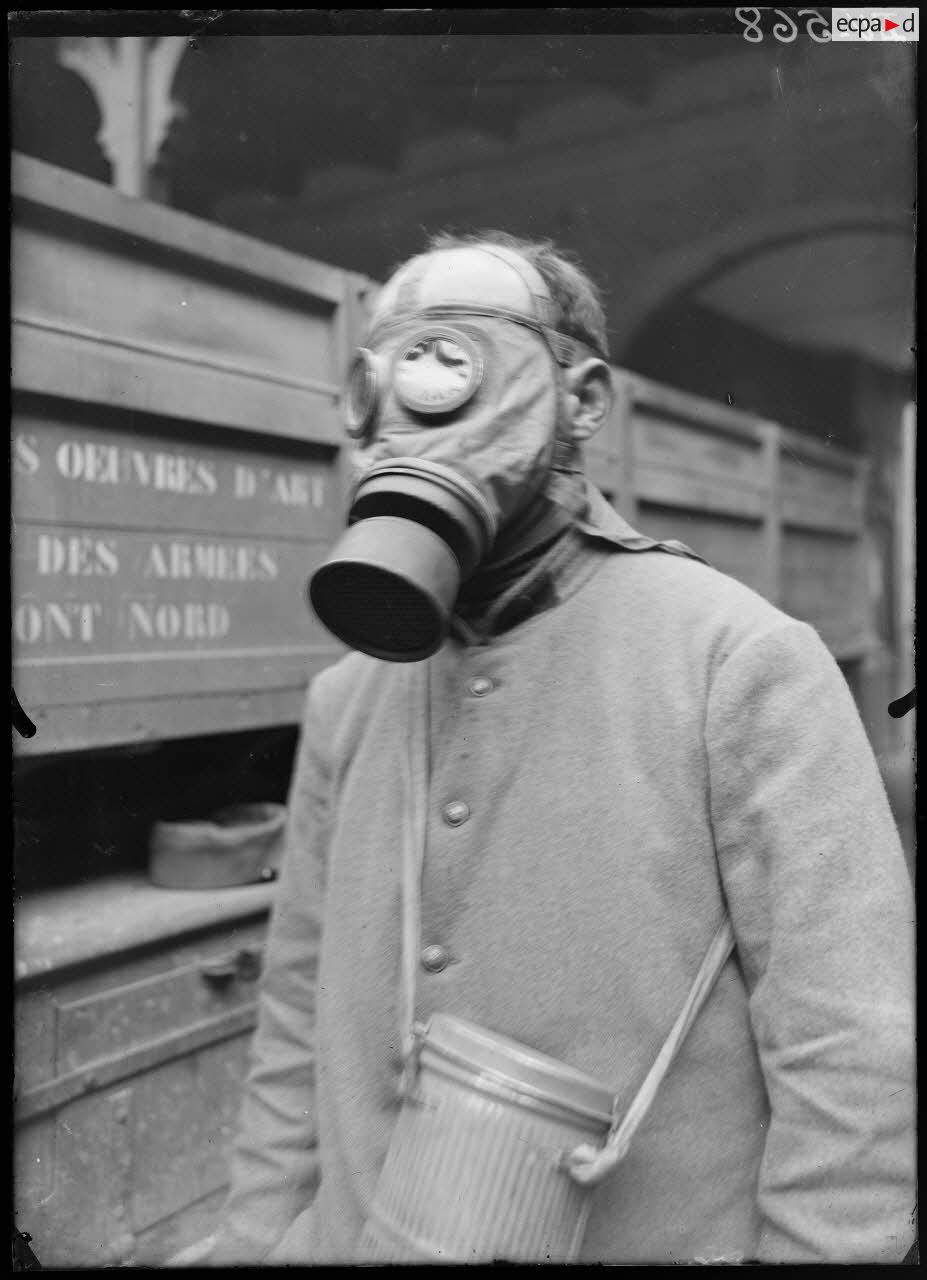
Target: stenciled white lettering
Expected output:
[50,621]
[69,458]
[139,467]
[25,454]
[147,619]
[76,556]
[110,464]
[165,472]
[298,489]
[209,561]
[292,489]
[173,473]
[244,481]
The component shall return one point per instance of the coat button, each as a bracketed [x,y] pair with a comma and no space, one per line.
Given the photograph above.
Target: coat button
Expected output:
[479,686]
[434,959]
[456,813]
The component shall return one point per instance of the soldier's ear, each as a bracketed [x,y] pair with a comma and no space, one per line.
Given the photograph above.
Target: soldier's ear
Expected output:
[590,397]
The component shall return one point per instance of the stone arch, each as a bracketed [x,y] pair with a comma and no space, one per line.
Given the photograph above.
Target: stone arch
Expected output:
[683,271]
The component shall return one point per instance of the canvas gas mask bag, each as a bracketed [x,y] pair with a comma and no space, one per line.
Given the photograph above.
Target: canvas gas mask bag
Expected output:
[455,405]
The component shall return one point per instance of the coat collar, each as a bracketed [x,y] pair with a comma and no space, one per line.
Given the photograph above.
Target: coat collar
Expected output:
[602,523]
[563,569]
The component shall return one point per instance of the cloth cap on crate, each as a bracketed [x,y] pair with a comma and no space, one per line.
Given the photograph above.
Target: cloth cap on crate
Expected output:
[238,845]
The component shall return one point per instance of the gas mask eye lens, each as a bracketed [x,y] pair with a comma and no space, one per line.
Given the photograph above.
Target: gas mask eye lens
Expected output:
[361,393]
[437,372]
[450,354]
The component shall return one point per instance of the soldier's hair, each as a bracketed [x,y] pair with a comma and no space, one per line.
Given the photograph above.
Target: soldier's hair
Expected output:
[580,311]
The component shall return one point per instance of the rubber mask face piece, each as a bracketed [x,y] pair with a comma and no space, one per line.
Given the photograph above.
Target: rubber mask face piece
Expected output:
[455,421]
[478,397]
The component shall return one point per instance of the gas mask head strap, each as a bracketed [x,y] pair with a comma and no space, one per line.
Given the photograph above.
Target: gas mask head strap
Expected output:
[565,349]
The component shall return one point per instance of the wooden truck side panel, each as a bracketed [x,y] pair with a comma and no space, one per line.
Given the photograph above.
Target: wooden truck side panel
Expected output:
[177,471]
[783,513]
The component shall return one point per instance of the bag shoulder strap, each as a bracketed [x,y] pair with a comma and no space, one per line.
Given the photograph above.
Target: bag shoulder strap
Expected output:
[415,774]
[588,1164]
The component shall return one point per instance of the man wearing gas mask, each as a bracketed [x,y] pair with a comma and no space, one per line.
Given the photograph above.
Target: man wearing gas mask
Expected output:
[560,756]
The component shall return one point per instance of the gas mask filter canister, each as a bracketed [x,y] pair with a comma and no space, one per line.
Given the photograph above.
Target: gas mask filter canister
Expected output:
[390,585]
[453,407]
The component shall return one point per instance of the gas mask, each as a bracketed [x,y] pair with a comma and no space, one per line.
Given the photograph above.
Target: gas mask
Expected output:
[456,409]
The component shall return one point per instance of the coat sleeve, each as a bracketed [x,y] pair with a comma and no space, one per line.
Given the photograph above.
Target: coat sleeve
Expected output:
[821,903]
[275,1173]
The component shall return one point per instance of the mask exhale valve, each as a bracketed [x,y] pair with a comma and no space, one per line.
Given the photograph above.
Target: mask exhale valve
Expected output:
[416,531]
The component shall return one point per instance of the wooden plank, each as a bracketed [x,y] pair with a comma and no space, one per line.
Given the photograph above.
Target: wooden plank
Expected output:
[185,1115]
[34,1039]
[905,551]
[116,679]
[653,398]
[350,329]
[874,688]
[772,525]
[84,473]
[34,182]
[86,287]
[791,484]
[221,361]
[189,1226]
[105,1072]
[220,1071]
[599,468]
[823,579]
[679,465]
[732,546]
[122,1017]
[829,455]
[604,453]
[175,615]
[34,1206]
[64,933]
[687,490]
[624,443]
[814,496]
[666,442]
[94,372]
[160,719]
[614,463]
[110,608]
[87,1224]
[850,644]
